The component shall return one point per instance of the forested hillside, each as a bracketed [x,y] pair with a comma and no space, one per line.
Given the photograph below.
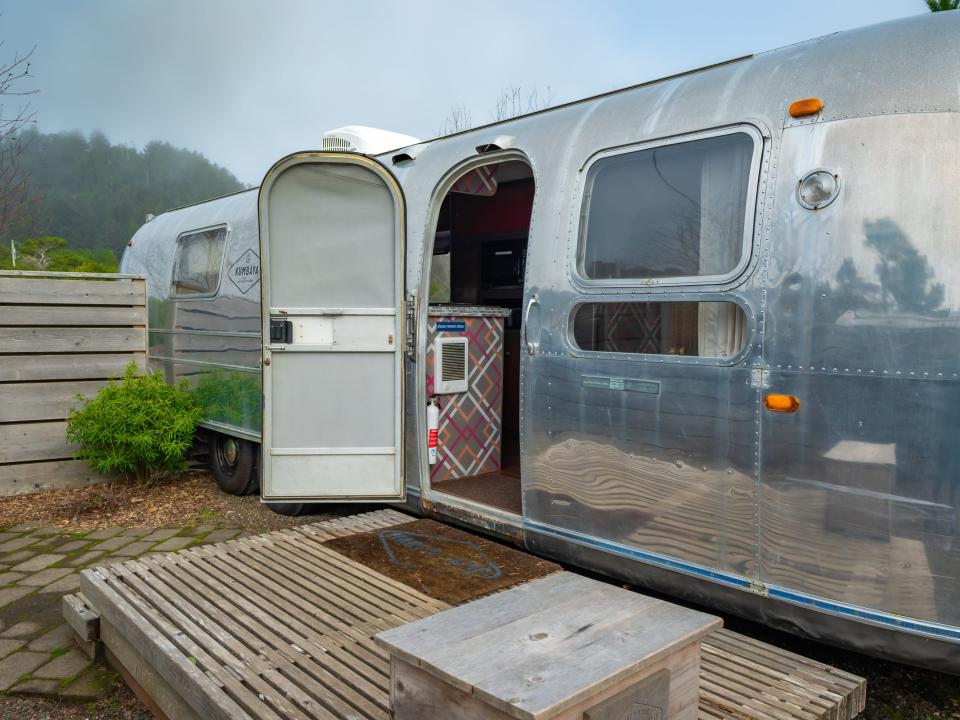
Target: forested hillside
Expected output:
[95,194]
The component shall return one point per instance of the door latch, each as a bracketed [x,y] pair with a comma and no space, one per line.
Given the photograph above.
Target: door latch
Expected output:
[410,328]
[281,330]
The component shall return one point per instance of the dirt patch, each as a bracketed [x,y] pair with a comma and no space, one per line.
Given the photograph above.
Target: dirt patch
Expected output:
[442,562]
[192,499]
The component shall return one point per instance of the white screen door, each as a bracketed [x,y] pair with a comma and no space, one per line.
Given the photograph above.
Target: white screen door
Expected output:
[331,240]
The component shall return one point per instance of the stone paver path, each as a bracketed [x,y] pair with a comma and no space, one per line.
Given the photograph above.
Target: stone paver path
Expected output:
[38,566]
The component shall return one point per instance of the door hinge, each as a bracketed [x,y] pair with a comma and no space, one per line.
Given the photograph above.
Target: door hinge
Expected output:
[758,379]
[410,327]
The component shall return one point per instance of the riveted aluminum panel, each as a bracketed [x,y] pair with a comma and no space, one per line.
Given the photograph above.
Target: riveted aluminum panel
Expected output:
[861,486]
[669,471]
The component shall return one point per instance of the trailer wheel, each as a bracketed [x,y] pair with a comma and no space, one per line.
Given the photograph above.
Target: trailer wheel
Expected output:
[233,463]
[289,509]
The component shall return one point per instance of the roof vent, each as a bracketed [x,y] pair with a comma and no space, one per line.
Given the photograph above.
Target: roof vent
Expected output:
[337,144]
[366,140]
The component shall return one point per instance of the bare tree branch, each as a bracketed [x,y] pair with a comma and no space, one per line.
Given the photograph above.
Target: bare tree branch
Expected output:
[458,119]
[513,101]
[15,196]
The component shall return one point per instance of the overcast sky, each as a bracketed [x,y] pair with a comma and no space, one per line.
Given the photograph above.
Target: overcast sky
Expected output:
[247,82]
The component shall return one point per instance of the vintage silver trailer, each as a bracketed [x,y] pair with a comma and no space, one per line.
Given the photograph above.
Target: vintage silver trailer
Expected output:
[202,262]
[693,334]
[202,265]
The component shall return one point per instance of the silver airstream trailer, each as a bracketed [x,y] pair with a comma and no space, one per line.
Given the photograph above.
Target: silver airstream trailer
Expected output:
[700,334]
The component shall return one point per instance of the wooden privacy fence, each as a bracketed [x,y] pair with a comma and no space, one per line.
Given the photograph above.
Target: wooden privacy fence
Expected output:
[60,334]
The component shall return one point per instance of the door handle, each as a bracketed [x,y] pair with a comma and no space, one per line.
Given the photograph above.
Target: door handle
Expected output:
[531,325]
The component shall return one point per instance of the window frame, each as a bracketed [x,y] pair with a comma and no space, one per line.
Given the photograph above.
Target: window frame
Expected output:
[680,296]
[641,285]
[174,295]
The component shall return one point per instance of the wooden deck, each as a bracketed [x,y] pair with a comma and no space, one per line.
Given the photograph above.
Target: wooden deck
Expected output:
[280,626]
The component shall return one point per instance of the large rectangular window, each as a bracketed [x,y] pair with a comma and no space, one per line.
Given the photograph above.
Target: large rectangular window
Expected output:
[674,211]
[196,271]
[699,329]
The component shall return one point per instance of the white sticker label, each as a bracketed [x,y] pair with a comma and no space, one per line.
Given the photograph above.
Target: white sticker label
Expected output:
[245,272]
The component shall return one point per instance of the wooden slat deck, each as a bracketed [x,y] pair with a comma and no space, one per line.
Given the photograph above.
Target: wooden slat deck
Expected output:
[280,626]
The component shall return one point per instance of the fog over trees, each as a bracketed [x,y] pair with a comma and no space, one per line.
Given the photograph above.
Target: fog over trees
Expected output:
[95,194]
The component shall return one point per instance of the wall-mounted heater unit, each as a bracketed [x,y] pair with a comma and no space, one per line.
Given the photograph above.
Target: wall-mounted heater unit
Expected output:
[450,373]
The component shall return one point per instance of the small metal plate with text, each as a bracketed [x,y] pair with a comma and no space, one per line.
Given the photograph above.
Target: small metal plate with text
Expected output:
[620,384]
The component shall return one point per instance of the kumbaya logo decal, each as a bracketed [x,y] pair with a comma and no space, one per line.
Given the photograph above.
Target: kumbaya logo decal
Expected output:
[245,272]
[412,550]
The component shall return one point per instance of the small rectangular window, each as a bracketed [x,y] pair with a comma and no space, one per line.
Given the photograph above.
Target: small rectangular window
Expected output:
[674,211]
[196,271]
[699,329]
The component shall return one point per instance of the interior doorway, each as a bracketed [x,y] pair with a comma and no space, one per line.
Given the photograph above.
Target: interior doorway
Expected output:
[477,274]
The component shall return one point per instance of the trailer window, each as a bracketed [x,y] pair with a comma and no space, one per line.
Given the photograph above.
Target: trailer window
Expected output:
[699,329]
[196,271]
[673,211]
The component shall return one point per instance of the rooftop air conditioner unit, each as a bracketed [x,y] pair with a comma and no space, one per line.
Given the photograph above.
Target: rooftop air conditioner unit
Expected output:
[366,140]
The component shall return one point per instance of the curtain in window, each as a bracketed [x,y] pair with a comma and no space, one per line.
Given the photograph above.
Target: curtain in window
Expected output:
[723,188]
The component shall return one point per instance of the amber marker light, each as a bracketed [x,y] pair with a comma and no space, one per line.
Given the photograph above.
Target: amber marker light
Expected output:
[808,106]
[782,403]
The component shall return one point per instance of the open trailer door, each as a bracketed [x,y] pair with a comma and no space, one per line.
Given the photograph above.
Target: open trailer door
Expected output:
[331,242]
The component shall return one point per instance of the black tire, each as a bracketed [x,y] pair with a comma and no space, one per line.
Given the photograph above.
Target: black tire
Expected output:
[233,463]
[289,509]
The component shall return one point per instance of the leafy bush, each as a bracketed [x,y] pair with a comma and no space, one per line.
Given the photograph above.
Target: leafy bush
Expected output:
[138,426]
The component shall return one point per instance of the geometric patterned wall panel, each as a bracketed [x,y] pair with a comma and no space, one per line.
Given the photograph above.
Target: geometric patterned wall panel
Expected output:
[469,433]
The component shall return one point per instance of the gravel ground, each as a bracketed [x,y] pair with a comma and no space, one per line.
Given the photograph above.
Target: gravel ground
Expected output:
[122,704]
[193,499]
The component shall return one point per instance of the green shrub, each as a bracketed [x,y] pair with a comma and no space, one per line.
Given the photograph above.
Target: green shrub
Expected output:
[137,427]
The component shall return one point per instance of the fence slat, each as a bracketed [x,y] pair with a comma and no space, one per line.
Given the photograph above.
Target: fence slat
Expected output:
[60,336]
[39,315]
[52,340]
[45,400]
[30,291]
[52,475]
[29,368]
[25,442]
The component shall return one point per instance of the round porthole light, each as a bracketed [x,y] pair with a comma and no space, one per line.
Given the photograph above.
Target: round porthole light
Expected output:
[818,189]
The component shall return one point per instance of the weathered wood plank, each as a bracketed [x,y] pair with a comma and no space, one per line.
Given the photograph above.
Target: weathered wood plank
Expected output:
[57,291]
[45,400]
[285,617]
[81,617]
[81,315]
[198,633]
[253,630]
[23,368]
[193,685]
[201,614]
[32,477]
[40,318]
[154,691]
[24,442]
[581,636]
[71,340]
